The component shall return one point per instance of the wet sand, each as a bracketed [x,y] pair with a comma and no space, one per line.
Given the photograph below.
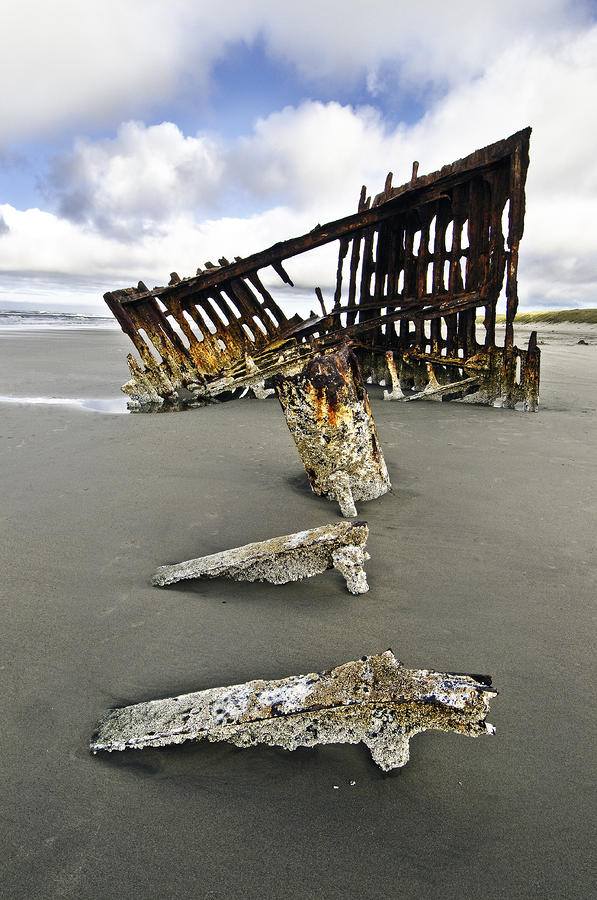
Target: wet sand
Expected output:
[483,560]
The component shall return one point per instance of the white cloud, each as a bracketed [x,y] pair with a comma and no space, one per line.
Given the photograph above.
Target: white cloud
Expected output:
[144,176]
[551,88]
[92,62]
[312,156]
[301,157]
[431,41]
[163,191]
[41,242]
[68,59]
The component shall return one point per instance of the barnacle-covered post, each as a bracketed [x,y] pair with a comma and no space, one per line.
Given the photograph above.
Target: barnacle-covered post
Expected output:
[327,411]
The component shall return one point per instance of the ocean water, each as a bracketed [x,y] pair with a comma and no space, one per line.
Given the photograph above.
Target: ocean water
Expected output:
[34,319]
[96,404]
[38,320]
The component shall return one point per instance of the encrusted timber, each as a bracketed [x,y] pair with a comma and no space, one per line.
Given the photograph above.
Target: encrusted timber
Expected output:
[182,340]
[375,700]
[282,559]
[283,358]
[499,376]
[328,413]
[155,391]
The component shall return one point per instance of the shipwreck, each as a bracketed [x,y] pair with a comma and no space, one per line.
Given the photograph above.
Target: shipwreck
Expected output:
[291,557]
[375,700]
[418,267]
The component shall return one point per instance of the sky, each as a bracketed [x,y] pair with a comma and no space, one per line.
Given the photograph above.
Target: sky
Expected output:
[141,137]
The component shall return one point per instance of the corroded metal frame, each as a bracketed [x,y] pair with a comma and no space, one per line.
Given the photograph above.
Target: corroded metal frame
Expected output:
[415,268]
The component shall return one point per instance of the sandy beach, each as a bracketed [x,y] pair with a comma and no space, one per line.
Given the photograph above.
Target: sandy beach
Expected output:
[482,561]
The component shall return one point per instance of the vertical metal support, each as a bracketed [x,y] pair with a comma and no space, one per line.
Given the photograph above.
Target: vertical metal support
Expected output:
[327,411]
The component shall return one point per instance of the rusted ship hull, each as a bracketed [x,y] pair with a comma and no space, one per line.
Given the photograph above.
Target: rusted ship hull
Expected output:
[417,268]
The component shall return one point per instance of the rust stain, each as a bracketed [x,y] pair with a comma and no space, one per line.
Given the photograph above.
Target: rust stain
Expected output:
[328,414]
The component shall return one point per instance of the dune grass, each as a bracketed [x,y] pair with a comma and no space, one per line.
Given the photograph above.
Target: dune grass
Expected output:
[553,317]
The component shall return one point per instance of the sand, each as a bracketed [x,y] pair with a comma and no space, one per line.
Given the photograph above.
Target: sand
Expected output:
[483,560]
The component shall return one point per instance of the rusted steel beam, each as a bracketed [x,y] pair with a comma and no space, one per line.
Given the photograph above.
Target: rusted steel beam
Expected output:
[518,171]
[327,411]
[437,391]
[409,308]
[419,191]
[374,700]
[396,392]
[282,559]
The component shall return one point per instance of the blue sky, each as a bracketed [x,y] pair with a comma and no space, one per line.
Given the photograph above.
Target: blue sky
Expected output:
[144,137]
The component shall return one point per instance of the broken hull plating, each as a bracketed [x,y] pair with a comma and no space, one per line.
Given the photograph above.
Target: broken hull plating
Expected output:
[291,557]
[374,700]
